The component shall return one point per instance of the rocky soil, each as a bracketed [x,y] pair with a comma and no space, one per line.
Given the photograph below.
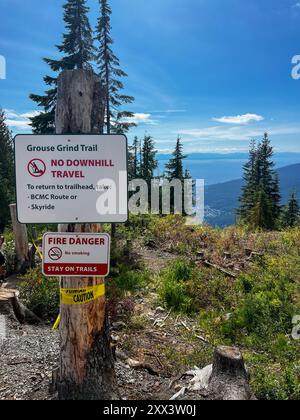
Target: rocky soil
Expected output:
[153,350]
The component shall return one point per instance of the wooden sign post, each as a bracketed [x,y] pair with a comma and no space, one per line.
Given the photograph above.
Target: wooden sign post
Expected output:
[86,370]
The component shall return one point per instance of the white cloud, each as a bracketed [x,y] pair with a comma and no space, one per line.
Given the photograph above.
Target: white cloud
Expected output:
[240,119]
[30,114]
[140,118]
[19,121]
[10,113]
[237,133]
[170,111]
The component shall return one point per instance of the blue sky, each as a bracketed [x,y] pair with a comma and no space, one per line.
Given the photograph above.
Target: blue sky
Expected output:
[217,72]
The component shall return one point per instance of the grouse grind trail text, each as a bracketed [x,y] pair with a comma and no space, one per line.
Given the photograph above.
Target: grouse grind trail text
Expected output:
[71,179]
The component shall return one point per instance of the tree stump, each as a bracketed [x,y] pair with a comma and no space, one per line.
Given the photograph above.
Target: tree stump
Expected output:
[7,304]
[229,379]
[86,369]
[11,307]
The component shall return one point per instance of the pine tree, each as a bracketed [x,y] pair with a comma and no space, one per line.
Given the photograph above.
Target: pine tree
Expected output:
[249,189]
[149,162]
[117,120]
[133,156]
[260,216]
[175,170]
[77,53]
[291,212]
[174,167]
[261,188]
[269,177]
[133,159]
[7,177]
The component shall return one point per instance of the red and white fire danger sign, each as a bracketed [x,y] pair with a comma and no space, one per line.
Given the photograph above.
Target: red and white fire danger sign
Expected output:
[76,254]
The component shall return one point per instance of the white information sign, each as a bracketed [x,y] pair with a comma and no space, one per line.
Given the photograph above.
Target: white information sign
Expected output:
[76,254]
[71,178]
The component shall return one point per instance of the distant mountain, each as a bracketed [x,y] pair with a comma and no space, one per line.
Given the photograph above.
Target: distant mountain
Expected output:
[221,200]
[215,168]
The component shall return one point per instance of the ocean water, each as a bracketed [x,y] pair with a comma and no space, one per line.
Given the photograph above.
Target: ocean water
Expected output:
[219,169]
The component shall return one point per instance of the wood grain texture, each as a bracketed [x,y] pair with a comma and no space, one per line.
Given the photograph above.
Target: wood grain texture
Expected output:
[86,359]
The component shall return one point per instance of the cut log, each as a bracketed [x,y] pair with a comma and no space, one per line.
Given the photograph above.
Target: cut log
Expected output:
[11,307]
[221,269]
[229,379]
[86,368]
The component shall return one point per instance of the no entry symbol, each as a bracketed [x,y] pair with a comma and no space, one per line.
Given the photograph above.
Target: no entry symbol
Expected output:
[36,168]
[55,254]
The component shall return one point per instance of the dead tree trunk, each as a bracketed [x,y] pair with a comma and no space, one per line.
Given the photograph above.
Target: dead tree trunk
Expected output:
[229,379]
[86,359]
[21,242]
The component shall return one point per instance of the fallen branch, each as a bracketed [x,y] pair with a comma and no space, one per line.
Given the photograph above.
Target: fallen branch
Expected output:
[204,340]
[185,326]
[134,364]
[222,270]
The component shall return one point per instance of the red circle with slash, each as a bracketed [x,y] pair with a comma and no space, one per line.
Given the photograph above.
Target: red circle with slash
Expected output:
[55,254]
[36,168]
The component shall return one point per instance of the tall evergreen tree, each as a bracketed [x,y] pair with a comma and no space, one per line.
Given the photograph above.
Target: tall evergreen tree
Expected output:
[175,170]
[260,200]
[7,177]
[149,162]
[117,120]
[291,212]
[174,167]
[133,159]
[268,176]
[133,155]
[261,215]
[249,189]
[77,53]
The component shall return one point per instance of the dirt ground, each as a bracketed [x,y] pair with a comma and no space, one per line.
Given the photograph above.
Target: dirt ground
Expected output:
[161,348]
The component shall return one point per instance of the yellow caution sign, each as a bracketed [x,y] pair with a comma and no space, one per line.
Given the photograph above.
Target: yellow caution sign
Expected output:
[81,296]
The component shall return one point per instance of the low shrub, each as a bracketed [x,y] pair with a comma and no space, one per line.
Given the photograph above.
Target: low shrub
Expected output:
[267,301]
[128,280]
[173,287]
[9,252]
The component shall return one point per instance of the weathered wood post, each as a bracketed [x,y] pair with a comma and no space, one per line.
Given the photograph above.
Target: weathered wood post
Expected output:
[21,242]
[86,369]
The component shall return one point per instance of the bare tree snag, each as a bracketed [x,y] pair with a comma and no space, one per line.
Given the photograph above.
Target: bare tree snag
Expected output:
[80,107]
[229,379]
[21,242]
[86,370]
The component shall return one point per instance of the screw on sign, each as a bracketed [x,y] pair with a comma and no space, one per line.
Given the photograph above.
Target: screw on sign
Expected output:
[55,254]
[36,168]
